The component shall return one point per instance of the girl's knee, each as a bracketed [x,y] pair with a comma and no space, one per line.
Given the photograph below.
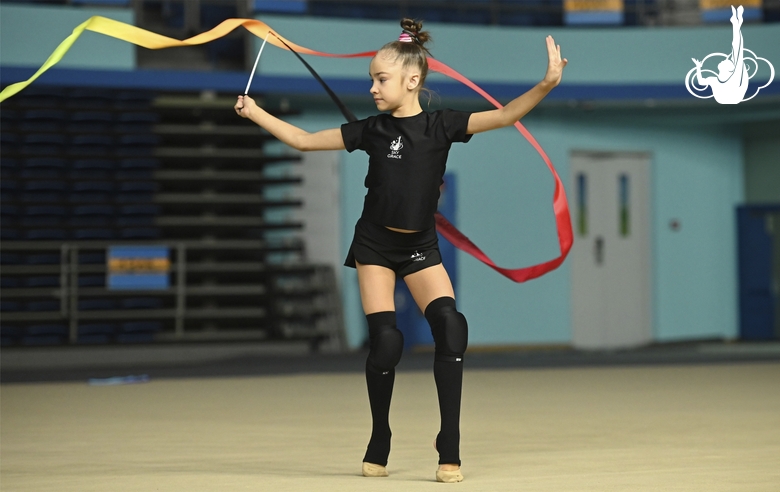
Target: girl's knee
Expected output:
[449,328]
[386,341]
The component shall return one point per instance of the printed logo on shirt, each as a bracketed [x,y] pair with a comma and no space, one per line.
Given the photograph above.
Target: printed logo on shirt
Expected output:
[395,148]
[418,256]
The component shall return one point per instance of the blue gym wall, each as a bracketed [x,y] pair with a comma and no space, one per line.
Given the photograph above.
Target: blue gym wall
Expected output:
[505,191]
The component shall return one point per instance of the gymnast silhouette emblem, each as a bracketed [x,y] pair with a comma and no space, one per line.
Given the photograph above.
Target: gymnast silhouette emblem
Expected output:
[395,148]
[397,144]
[730,83]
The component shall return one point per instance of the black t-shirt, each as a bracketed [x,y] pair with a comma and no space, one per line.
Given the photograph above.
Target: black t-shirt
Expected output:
[407,159]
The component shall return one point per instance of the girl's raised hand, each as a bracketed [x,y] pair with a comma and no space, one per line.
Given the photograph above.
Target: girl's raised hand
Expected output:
[554,63]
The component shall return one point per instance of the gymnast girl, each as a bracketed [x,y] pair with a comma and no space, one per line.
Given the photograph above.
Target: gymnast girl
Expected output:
[396,234]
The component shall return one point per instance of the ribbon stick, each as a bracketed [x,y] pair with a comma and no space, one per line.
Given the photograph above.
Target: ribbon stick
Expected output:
[246,91]
[152,40]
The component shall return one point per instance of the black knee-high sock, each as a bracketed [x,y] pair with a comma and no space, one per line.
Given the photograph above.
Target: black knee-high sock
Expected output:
[449,382]
[450,332]
[386,347]
[380,391]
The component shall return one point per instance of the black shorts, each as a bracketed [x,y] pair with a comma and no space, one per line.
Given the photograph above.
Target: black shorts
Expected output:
[402,252]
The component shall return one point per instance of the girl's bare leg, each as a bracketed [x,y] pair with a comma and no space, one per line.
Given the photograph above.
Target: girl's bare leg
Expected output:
[429,284]
[377,288]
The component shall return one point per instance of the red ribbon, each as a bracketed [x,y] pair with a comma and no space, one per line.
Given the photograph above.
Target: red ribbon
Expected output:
[560,204]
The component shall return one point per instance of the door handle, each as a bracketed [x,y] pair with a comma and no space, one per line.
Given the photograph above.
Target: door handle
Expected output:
[598,250]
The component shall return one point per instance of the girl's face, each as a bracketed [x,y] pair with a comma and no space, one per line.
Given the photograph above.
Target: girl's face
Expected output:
[392,86]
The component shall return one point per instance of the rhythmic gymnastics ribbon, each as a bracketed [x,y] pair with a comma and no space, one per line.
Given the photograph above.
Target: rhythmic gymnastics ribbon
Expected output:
[150,40]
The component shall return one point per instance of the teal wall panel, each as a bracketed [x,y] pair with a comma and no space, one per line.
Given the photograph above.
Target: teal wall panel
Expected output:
[762,167]
[28,35]
[698,181]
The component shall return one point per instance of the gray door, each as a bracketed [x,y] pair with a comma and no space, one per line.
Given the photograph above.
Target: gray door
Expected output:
[611,255]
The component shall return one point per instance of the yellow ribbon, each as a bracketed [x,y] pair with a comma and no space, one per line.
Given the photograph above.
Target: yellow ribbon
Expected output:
[154,41]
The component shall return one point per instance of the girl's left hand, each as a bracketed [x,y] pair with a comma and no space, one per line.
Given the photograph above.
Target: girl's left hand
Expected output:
[555,64]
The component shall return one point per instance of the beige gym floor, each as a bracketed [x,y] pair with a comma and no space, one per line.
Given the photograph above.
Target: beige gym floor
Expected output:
[663,428]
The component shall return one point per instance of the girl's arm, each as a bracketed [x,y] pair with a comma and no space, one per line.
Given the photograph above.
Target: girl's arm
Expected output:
[289,134]
[509,114]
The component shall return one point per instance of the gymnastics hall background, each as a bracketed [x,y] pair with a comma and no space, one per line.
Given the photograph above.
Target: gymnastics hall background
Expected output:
[247,344]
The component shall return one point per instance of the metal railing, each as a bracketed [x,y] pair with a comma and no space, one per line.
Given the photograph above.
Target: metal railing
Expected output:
[329,323]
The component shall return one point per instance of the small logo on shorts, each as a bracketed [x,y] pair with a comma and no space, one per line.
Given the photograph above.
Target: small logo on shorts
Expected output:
[418,256]
[395,148]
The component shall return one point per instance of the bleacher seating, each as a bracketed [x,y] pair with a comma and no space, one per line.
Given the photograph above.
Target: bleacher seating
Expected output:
[85,170]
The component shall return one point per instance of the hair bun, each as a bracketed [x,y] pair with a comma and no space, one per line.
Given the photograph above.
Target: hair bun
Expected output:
[414,29]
